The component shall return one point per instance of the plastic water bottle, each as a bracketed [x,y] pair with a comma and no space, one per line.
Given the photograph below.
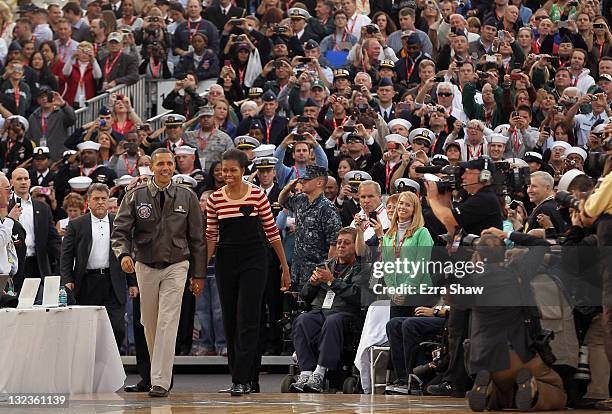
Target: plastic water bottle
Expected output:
[63,297]
[10,290]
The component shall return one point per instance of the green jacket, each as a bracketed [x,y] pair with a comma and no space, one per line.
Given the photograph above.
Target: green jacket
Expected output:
[415,249]
[475,110]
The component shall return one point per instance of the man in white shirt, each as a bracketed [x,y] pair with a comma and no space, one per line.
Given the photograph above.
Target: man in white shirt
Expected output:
[88,265]
[583,123]
[370,200]
[356,21]
[42,240]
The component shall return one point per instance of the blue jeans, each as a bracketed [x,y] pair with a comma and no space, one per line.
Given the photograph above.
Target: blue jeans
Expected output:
[208,311]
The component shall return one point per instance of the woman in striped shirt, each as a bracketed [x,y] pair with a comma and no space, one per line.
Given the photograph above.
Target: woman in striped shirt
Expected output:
[239,221]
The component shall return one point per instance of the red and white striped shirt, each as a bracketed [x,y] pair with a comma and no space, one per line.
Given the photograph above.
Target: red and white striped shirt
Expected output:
[254,203]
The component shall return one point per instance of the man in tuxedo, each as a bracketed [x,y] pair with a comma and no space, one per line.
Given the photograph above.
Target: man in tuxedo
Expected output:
[219,14]
[118,67]
[42,240]
[88,266]
[40,174]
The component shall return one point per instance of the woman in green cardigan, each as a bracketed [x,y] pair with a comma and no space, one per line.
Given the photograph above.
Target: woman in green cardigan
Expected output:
[409,241]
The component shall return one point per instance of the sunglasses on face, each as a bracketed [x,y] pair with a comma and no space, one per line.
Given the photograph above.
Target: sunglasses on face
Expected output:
[446,94]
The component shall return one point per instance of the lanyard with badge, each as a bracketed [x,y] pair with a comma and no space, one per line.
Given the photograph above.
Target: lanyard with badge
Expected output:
[43,127]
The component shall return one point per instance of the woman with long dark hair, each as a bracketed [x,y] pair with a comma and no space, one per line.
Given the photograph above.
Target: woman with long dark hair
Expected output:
[44,76]
[239,221]
[214,179]
[55,63]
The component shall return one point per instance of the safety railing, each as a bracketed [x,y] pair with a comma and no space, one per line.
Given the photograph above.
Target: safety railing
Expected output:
[146,97]
[156,121]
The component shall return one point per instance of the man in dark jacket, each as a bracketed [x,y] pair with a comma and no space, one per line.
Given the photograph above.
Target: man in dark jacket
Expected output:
[202,61]
[118,67]
[88,266]
[334,293]
[542,194]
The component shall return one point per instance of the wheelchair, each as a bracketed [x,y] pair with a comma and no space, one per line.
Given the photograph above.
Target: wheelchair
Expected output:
[345,377]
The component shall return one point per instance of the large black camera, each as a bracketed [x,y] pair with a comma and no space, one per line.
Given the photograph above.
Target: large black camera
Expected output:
[566,200]
[450,179]
[510,180]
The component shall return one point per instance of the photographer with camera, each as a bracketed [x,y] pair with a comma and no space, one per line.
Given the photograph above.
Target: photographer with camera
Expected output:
[503,349]
[15,146]
[583,123]
[302,144]
[184,98]
[479,210]
[49,123]
[155,63]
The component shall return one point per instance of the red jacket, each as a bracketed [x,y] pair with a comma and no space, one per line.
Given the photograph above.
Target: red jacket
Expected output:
[72,83]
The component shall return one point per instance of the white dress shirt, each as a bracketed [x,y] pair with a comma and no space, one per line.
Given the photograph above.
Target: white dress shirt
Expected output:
[27,221]
[6,237]
[100,243]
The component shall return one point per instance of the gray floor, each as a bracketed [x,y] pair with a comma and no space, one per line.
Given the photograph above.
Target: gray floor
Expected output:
[214,382]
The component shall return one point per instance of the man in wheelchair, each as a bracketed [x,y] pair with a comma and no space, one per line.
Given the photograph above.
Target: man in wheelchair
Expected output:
[334,294]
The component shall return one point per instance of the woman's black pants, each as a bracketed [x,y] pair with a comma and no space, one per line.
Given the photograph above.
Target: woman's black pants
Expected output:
[241,279]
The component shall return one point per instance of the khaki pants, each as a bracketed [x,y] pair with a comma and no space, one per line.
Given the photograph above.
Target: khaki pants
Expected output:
[551,394]
[161,293]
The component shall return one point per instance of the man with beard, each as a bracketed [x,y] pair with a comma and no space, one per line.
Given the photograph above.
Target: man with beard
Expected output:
[406,68]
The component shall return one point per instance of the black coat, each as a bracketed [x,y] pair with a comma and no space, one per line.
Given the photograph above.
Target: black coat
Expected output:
[47,180]
[19,236]
[47,242]
[278,130]
[76,247]
[214,15]
[125,69]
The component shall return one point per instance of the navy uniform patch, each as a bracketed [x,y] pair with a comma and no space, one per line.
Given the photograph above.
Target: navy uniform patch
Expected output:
[143,210]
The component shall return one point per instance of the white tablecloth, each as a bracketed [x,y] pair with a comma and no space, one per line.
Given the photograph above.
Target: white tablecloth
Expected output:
[68,350]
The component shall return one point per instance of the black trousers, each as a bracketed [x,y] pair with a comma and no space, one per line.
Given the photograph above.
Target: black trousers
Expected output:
[319,339]
[143,360]
[184,336]
[404,335]
[241,279]
[97,289]
[458,331]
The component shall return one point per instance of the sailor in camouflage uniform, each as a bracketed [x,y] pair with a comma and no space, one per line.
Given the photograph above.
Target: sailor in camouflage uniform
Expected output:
[317,223]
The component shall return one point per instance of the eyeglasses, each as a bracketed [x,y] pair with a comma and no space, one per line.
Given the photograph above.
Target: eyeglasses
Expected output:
[475,128]
[540,17]
[447,94]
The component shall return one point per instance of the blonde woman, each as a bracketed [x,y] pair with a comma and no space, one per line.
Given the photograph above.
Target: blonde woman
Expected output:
[6,23]
[408,241]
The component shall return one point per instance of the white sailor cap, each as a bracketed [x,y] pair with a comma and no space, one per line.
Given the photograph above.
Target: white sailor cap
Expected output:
[40,152]
[356,177]
[68,153]
[422,133]
[517,162]
[184,179]
[440,159]
[24,122]
[399,121]
[577,150]
[497,138]
[184,150]
[265,162]
[567,178]
[79,183]
[406,184]
[264,150]
[396,138]
[561,144]
[246,142]
[88,145]
[123,180]
[502,129]
[532,156]
[598,129]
